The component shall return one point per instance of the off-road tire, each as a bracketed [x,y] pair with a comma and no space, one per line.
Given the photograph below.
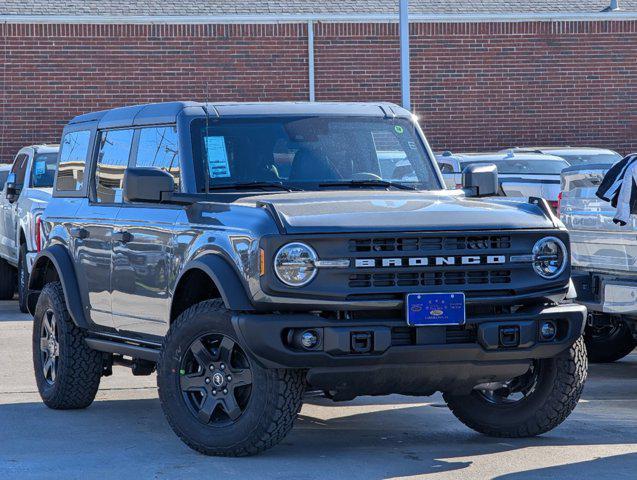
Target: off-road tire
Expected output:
[557,392]
[79,367]
[8,280]
[275,399]
[610,348]
[23,279]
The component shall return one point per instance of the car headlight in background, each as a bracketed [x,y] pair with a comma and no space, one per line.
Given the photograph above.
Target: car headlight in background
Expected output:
[549,257]
[294,264]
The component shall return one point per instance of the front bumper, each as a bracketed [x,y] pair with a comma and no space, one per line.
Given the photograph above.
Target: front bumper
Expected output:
[402,359]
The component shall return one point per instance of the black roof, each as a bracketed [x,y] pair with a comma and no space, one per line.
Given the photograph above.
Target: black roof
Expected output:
[158,113]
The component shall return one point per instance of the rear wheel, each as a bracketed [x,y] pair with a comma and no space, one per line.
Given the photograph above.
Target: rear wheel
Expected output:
[23,279]
[67,371]
[217,398]
[609,343]
[529,405]
[8,280]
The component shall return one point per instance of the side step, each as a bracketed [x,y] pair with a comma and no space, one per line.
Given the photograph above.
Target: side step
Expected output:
[135,351]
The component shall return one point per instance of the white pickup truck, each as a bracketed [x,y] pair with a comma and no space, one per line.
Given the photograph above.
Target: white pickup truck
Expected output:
[604,263]
[24,197]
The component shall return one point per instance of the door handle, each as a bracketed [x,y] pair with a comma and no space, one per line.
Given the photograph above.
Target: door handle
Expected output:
[122,236]
[78,232]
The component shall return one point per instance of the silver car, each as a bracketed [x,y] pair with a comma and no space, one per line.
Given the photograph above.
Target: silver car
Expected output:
[576,155]
[522,175]
[25,194]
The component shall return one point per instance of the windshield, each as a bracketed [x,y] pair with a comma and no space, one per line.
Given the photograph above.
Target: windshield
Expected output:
[581,159]
[310,152]
[524,167]
[43,170]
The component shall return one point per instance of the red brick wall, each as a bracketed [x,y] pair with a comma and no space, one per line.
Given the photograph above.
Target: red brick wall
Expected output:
[475,86]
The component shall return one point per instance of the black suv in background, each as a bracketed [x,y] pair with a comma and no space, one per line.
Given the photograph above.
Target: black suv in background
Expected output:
[251,252]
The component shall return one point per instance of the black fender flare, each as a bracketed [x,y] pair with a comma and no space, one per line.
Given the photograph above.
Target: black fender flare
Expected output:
[58,257]
[225,277]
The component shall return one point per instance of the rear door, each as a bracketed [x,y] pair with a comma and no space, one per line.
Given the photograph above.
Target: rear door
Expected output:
[142,252]
[94,236]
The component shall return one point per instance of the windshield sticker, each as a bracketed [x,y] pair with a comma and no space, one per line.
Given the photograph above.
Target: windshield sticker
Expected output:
[218,165]
[399,129]
[40,167]
[412,145]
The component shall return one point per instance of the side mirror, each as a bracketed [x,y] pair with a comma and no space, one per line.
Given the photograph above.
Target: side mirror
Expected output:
[481,180]
[12,190]
[147,184]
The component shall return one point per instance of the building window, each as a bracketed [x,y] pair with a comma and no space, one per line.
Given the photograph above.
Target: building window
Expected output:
[112,161]
[73,152]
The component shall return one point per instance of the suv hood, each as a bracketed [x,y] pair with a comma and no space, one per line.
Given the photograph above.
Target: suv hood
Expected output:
[367,211]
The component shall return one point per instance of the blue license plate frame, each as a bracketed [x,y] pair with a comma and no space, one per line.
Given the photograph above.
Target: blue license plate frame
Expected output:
[435,309]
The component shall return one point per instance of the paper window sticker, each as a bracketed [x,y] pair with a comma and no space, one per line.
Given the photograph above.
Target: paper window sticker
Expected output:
[218,166]
[40,167]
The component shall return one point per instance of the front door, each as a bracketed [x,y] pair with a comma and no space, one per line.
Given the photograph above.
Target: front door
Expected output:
[8,235]
[142,273]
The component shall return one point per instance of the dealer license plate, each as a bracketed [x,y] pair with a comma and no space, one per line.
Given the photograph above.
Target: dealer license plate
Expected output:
[435,309]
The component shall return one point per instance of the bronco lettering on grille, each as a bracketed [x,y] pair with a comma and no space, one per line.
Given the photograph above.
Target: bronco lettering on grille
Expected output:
[430,261]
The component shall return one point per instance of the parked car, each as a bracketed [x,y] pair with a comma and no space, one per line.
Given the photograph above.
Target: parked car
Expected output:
[4,173]
[25,194]
[604,257]
[522,175]
[576,155]
[252,251]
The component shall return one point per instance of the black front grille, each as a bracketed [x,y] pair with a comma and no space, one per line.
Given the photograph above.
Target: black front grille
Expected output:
[430,244]
[430,278]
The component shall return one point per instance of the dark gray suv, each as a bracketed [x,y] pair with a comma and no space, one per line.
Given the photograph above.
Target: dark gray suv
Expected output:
[252,252]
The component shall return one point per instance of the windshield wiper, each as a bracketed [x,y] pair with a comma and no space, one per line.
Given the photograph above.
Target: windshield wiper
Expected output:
[249,185]
[367,183]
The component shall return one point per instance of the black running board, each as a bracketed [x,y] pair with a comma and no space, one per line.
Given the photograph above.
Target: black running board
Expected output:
[135,351]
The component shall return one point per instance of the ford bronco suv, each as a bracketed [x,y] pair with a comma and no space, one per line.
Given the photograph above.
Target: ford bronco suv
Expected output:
[252,252]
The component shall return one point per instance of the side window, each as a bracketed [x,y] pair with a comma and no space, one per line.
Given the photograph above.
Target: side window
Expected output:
[158,147]
[19,168]
[445,168]
[112,160]
[73,152]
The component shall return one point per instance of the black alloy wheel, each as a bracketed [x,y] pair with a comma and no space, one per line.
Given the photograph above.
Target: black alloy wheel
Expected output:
[215,380]
[49,347]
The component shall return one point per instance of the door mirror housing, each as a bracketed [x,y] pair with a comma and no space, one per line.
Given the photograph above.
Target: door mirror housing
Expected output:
[147,184]
[13,189]
[480,180]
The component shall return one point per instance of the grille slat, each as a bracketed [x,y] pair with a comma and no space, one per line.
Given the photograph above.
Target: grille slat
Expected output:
[430,278]
[430,244]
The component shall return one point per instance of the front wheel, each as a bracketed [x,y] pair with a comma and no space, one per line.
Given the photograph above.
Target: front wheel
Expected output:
[217,398]
[529,405]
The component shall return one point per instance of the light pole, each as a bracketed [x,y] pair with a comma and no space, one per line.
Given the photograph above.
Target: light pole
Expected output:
[404,54]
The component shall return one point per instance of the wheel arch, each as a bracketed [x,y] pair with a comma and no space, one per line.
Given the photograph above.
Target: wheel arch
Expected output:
[55,264]
[207,277]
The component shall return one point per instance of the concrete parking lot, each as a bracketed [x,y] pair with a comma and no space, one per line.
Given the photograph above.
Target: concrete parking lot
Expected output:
[124,434]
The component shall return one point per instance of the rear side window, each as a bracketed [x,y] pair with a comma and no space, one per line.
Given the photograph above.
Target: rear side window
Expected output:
[158,147]
[73,152]
[112,160]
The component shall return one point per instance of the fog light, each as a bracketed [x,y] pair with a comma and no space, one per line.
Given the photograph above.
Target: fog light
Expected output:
[548,331]
[309,339]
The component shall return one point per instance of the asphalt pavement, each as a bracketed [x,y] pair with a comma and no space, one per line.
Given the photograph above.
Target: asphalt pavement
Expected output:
[124,434]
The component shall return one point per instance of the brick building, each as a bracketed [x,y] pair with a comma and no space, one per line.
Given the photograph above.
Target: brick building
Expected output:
[484,74]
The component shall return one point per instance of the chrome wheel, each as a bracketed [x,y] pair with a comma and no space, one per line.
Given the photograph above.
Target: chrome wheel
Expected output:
[49,347]
[515,390]
[215,380]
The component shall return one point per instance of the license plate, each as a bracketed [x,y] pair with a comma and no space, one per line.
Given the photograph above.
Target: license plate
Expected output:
[435,309]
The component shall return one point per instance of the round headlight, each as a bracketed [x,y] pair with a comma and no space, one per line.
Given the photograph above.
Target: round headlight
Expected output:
[549,257]
[294,264]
